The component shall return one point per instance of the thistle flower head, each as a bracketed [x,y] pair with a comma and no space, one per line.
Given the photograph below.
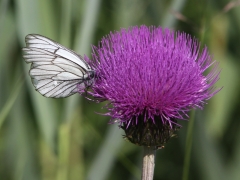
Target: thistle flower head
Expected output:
[151,77]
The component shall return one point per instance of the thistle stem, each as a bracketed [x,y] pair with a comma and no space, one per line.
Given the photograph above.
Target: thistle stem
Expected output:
[149,154]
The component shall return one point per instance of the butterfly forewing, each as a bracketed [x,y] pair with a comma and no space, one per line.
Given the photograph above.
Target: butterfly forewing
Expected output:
[55,71]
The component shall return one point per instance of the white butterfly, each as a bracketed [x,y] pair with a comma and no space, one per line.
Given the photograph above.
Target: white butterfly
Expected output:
[56,71]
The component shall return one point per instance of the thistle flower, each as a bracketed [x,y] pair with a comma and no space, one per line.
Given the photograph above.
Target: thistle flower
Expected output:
[151,77]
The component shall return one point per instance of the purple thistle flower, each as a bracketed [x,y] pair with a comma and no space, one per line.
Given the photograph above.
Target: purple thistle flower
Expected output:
[151,77]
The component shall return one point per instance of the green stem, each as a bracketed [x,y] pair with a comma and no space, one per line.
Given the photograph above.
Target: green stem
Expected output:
[188,147]
[11,100]
[63,154]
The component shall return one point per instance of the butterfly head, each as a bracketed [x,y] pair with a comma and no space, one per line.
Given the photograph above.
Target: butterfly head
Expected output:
[90,75]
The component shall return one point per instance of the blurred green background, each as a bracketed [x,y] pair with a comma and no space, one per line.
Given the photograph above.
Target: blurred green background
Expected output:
[64,139]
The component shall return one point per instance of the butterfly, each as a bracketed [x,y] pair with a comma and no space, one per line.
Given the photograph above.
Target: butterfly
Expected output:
[55,70]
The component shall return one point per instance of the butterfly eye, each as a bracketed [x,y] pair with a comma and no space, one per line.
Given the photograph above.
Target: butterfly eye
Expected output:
[91,74]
